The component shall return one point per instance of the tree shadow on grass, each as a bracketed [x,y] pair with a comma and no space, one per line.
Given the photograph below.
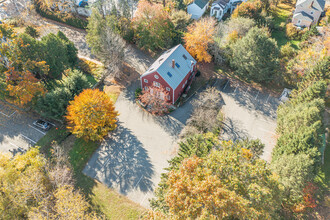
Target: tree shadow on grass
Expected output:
[121,162]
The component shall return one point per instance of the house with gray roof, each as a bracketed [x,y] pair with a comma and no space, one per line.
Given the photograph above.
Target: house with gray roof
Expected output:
[173,71]
[307,12]
[197,8]
[220,7]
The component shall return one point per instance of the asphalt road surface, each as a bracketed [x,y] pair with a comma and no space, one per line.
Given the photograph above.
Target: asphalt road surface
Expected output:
[17,132]
[249,113]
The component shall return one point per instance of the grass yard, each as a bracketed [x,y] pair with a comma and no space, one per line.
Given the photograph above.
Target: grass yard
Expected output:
[54,134]
[104,200]
[281,15]
[112,91]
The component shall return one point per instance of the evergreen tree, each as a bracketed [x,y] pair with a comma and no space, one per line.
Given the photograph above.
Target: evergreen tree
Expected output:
[255,56]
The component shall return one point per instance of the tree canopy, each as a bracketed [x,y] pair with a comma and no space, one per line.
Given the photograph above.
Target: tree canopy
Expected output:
[255,56]
[91,115]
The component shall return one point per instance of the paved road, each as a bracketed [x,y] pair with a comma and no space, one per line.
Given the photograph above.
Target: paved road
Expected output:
[249,113]
[17,133]
[132,160]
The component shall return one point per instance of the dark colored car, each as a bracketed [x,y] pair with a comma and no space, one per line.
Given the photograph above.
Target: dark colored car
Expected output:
[42,124]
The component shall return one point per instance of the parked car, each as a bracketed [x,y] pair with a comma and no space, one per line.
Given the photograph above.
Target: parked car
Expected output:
[285,96]
[44,125]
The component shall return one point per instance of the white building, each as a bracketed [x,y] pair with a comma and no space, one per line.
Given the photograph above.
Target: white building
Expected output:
[197,8]
[221,7]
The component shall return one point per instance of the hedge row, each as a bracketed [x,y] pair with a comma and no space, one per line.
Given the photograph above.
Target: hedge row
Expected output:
[69,20]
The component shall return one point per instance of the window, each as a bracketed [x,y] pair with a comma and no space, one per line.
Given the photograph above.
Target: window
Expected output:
[145,80]
[312,12]
[186,82]
[146,88]
[299,21]
[177,65]
[168,89]
[183,85]
[169,74]
[157,84]
[168,97]
[156,76]
[184,56]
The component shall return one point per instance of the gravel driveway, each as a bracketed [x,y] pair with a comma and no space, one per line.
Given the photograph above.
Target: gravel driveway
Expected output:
[132,160]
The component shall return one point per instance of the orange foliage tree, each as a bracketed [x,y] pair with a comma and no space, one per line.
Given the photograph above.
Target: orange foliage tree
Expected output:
[248,10]
[198,194]
[23,86]
[198,38]
[18,82]
[91,115]
[156,100]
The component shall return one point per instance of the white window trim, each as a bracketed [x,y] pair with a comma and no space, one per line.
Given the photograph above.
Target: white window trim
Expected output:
[145,80]
[156,84]
[156,76]
[168,89]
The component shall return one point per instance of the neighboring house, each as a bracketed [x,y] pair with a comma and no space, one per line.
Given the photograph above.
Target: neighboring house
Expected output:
[197,8]
[221,7]
[307,12]
[174,70]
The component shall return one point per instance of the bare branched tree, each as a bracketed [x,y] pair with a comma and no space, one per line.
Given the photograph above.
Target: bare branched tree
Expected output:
[112,51]
[60,173]
[210,98]
[206,116]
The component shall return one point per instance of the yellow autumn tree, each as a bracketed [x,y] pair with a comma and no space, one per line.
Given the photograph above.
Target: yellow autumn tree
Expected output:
[91,115]
[199,36]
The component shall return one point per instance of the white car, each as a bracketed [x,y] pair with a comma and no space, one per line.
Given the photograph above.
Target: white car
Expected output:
[285,96]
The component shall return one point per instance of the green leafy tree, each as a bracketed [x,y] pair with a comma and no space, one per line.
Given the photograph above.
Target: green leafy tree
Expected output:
[294,172]
[55,102]
[255,145]
[56,50]
[31,31]
[153,28]
[106,43]
[255,56]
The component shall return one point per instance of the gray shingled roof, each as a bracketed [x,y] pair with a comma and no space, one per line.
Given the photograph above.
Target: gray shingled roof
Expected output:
[201,3]
[163,65]
[318,4]
[221,2]
[304,14]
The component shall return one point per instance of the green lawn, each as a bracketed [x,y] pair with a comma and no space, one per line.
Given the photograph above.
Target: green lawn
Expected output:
[54,134]
[281,15]
[104,200]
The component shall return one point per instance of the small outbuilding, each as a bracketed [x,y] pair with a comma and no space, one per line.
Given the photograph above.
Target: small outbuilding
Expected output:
[174,70]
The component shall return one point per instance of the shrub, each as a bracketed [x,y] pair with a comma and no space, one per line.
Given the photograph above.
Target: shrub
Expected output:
[292,32]
[311,32]
[71,20]
[138,92]
[90,67]
[155,100]
[31,31]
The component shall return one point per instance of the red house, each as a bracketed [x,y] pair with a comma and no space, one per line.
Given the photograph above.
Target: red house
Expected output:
[174,70]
